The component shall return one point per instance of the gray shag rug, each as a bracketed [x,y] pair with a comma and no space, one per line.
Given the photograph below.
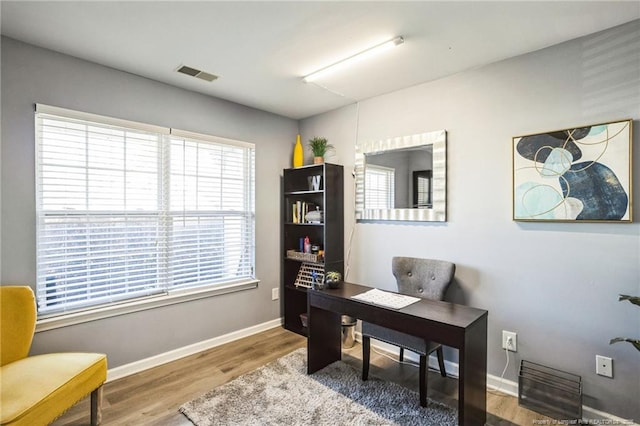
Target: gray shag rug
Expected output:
[281,393]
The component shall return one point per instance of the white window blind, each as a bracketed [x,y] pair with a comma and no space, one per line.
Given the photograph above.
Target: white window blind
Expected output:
[127,211]
[379,187]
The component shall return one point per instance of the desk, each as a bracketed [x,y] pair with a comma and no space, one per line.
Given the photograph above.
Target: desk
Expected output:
[458,326]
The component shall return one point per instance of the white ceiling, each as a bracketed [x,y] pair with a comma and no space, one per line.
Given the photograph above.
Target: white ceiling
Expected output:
[260,50]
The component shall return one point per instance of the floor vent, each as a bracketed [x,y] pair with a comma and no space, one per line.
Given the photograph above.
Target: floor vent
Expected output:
[193,72]
[551,392]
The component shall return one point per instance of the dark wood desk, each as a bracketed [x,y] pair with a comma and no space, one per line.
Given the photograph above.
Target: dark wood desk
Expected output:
[458,326]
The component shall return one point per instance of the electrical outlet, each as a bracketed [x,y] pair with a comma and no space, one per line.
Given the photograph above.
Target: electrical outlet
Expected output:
[604,366]
[275,293]
[509,341]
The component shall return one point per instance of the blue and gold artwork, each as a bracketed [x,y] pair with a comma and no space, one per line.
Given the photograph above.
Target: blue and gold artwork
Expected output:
[580,174]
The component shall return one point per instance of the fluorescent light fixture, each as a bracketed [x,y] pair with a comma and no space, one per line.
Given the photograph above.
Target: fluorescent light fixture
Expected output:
[353,59]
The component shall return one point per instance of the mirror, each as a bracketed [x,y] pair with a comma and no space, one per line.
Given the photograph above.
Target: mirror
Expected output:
[402,178]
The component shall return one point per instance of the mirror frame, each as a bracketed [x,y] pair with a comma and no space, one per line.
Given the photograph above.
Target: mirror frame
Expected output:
[438,213]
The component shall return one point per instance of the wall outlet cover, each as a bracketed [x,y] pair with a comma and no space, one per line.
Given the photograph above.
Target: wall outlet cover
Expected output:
[509,341]
[604,366]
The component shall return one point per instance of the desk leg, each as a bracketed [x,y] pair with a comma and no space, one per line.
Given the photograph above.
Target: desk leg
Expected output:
[472,384]
[323,340]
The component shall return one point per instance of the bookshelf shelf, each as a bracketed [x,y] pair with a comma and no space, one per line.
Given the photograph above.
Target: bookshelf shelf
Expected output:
[303,192]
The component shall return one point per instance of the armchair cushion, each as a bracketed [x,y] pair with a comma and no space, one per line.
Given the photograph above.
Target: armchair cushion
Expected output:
[45,386]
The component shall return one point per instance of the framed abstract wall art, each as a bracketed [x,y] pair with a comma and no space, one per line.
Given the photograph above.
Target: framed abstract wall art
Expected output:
[574,175]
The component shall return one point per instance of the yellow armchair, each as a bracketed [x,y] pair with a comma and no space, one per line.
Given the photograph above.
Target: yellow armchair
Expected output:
[35,390]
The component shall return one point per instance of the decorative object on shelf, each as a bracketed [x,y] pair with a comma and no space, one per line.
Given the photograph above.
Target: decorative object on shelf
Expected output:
[310,274]
[317,282]
[635,342]
[298,154]
[314,216]
[574,175]
[333,279]
[314,182]
[300,209]
[320,148]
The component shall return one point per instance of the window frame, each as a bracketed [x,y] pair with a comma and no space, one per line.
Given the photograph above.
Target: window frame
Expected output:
[169,296]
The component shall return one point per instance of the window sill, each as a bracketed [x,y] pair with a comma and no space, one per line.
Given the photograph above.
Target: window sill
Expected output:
[138,305]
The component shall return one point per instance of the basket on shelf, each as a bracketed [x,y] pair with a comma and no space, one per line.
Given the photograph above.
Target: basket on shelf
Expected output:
[304,257]
[306,273]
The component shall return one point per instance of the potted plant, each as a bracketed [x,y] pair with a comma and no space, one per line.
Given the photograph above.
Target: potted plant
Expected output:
[319,147]
[333,279]
[635,342]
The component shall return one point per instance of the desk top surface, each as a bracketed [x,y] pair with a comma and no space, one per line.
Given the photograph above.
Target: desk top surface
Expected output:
[442,312]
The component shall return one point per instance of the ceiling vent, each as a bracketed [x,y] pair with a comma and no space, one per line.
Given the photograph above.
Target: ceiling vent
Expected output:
[202,75]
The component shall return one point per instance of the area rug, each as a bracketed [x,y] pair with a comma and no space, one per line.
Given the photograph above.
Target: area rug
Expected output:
[281,393]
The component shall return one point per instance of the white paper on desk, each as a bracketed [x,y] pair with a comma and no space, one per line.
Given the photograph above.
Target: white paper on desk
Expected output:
[384,298]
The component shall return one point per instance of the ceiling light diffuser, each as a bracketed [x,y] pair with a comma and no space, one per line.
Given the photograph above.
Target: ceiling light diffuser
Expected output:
[344,63]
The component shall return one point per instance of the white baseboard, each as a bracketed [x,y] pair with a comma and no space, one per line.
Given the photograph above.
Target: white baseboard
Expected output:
[493,382]
[163,358]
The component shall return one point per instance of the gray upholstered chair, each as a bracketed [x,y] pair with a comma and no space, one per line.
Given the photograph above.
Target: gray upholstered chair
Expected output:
[426,278]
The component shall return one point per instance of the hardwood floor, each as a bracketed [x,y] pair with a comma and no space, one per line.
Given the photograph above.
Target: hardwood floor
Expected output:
[152,397]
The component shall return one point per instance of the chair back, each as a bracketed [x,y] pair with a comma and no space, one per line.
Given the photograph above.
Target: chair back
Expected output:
[426,278]
[17,322]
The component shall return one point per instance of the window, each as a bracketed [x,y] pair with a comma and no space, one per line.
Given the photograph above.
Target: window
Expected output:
[379,187]
[422,181]
[127,210]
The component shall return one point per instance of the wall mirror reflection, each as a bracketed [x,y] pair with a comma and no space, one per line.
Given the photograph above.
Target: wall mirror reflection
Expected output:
[402,178]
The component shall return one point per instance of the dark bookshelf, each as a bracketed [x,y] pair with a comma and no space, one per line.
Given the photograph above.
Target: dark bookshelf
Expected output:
[328,234]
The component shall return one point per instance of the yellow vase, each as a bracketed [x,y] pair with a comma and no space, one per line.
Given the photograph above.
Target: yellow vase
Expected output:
[298,155]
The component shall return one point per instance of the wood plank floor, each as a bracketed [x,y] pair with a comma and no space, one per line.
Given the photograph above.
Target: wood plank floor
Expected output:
[152,397]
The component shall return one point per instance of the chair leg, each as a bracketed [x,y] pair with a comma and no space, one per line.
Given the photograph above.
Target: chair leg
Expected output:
[423,380]
[96,406]
[401,354]
[443,372]
[366,355]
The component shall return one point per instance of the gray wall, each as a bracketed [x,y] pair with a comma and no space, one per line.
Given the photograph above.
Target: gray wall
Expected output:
[32,75]
[555,284]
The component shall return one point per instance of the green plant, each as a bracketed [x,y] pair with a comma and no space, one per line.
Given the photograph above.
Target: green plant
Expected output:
[332,279]
[333,276]
[319,146]
[635,342]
